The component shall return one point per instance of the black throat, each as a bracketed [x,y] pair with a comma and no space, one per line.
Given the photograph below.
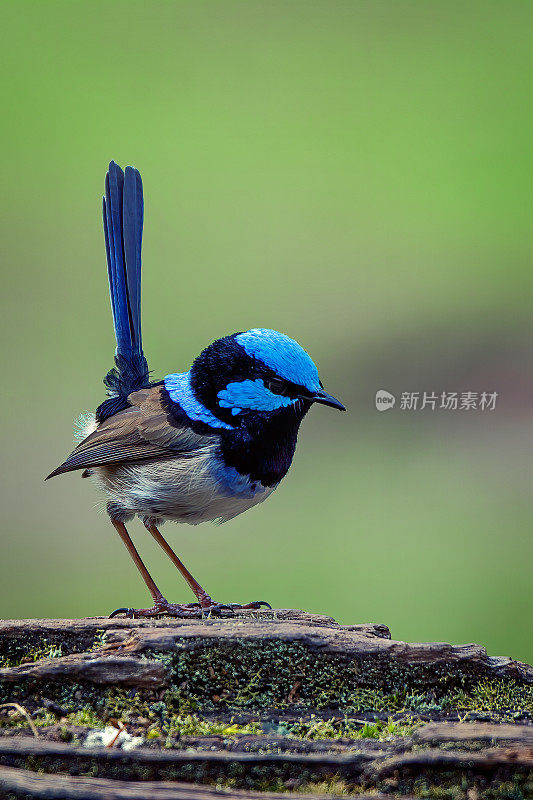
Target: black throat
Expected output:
[263,447]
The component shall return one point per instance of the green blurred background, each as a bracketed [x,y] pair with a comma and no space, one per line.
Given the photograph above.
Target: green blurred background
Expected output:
[355,174]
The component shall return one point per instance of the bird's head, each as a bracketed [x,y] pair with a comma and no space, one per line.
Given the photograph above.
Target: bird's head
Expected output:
[248,376]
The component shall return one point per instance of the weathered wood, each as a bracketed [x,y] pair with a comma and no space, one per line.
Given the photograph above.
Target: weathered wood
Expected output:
[107,669]
[20,783]
[459,733]
[357,762]
[206,764]
[434,760]
[288,671]
[119,660]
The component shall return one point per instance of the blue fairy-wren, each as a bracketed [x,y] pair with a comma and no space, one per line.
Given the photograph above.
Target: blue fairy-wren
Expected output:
[205,444]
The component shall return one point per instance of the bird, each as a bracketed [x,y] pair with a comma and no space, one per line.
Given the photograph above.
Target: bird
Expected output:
[201,445]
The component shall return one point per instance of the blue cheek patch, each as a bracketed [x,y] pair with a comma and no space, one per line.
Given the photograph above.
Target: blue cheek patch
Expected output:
[282,355]
[252,395]
[180,391]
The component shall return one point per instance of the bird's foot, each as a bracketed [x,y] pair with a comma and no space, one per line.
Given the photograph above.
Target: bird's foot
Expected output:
[164,608]
[209,608]
[188,610]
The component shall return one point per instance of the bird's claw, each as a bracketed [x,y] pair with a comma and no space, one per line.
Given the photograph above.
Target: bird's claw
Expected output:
[164,608]
[129,612]
[160,609]
[189,609]
[255,605]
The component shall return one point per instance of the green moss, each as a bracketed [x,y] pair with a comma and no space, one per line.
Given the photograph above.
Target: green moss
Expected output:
[86,717]
[44,650]
[260,675]
[464,786]
[100,639]
[317,728]
[335,785]
[495,695]
[256,677]
[26,646]
[192,725]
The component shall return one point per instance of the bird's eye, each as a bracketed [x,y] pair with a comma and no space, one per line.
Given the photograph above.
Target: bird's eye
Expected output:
[276,386]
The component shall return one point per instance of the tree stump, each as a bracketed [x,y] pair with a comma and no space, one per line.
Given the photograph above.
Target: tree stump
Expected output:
[264,702]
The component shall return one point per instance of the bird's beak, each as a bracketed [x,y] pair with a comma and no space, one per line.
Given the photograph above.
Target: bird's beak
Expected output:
[327,400]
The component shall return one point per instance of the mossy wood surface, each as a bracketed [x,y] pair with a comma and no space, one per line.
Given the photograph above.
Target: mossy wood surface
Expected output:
[259,701]
[15,783]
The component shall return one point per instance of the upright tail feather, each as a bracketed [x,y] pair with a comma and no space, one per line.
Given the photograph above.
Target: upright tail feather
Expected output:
[123,223]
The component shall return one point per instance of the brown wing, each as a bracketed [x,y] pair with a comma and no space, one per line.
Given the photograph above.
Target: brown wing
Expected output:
[143,431]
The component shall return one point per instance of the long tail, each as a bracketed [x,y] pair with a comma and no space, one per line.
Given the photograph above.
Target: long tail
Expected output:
[123,225]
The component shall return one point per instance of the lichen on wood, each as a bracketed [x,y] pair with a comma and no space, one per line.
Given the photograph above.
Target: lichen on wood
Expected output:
[281,700]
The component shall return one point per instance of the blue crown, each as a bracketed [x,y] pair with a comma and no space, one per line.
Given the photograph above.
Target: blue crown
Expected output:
[282,355]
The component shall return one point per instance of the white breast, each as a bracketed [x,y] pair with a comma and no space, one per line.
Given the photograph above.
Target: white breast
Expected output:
[192,489]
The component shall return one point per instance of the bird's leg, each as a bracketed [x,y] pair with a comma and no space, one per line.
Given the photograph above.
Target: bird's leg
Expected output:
[205,603]
[203,598]
[161,605]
